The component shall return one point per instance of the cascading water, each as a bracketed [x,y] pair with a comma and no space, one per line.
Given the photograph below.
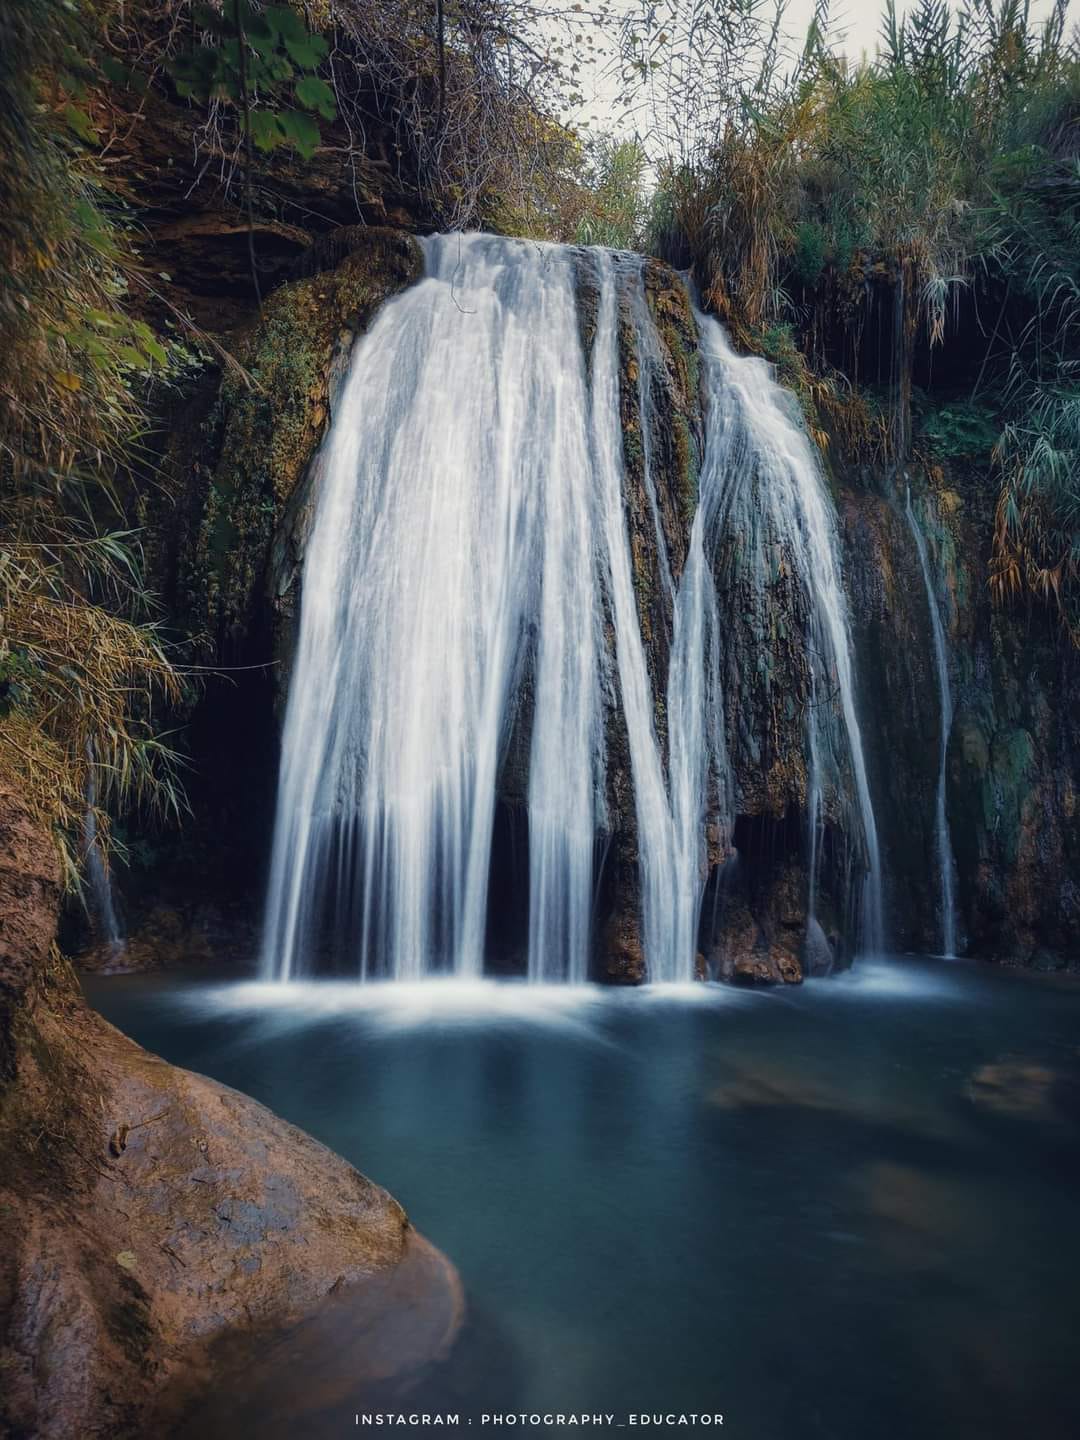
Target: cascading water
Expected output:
[942,839]
[770,495]
[471,562]
[566,763]
[103,901]
[656,841]
[453,545]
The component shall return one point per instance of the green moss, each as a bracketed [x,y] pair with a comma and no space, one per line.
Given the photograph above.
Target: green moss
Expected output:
[974,748]
[1013,754]
[674,320]
[1007,790]
[587,298]
[271,419]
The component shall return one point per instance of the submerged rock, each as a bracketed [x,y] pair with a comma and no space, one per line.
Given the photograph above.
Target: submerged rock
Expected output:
[1013,1087]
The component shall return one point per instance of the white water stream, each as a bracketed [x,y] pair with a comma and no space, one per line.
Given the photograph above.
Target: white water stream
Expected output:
[942,839]
[469,558]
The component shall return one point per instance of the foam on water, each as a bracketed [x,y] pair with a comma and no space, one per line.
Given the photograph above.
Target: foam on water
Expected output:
[918,979]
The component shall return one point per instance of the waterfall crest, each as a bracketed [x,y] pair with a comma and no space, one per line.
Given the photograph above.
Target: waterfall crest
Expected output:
[942,838]
[471,574]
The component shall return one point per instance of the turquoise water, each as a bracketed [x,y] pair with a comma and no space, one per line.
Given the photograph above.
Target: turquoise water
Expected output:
[846,1210]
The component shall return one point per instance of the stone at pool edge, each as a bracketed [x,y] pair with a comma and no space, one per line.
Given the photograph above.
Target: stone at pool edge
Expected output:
[357,1342]
[146,1211]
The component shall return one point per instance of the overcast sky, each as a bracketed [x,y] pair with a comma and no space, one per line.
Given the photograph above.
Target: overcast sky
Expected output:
[856,22]
[862,22]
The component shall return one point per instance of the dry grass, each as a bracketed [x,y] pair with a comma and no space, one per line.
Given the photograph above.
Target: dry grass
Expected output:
[81,684]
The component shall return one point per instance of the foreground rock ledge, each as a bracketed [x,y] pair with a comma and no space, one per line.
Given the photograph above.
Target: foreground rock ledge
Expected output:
[147,1214]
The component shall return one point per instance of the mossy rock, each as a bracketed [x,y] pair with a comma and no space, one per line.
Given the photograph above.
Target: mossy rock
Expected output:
[674,319]
[272,416]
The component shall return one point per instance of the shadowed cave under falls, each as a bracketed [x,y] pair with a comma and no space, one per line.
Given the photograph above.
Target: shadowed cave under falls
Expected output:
[562,532]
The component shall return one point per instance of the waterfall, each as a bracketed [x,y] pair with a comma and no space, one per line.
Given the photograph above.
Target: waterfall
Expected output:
[453,546]
[470,577]
[656,841]
[101,889]
[771,497]
[566,760]
[942,840]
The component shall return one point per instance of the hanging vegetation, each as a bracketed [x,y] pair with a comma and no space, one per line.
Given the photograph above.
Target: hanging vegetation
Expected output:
[81,669]
[876,212]
[94,334]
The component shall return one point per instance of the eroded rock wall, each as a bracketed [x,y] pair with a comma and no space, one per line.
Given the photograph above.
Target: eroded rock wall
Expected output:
[1013,757]
[246,473]
[226,517]
[244,489]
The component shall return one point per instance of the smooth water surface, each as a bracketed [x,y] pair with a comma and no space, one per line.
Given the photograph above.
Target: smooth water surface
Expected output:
[844,1211]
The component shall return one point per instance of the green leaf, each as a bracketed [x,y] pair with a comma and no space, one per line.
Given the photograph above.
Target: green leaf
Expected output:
[278,69]
[261,35]
[195,72]
[308,52]
[301,130]
[80,122]
[315,94]
[286,22]
[114,71]
[267,131]
[73,84]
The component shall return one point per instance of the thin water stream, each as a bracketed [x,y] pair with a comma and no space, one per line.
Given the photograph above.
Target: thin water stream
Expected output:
[942,838]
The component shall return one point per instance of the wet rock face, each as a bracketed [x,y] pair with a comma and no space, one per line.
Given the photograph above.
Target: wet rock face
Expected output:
[236,563]
[146,1212]
[622,957]
[226,521]
[248,477]
[764,669]
[757,929]
[899,701]
[1014,744]
[1014,758]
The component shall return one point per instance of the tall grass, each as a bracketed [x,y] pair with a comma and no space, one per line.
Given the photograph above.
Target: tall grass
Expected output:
[81,671]
[837,195]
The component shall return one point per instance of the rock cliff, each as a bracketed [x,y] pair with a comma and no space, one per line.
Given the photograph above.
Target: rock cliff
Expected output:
[243,473]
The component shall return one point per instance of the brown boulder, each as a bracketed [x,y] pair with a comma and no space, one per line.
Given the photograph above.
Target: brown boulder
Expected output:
[146,1213]
[623,958]
[761,946]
